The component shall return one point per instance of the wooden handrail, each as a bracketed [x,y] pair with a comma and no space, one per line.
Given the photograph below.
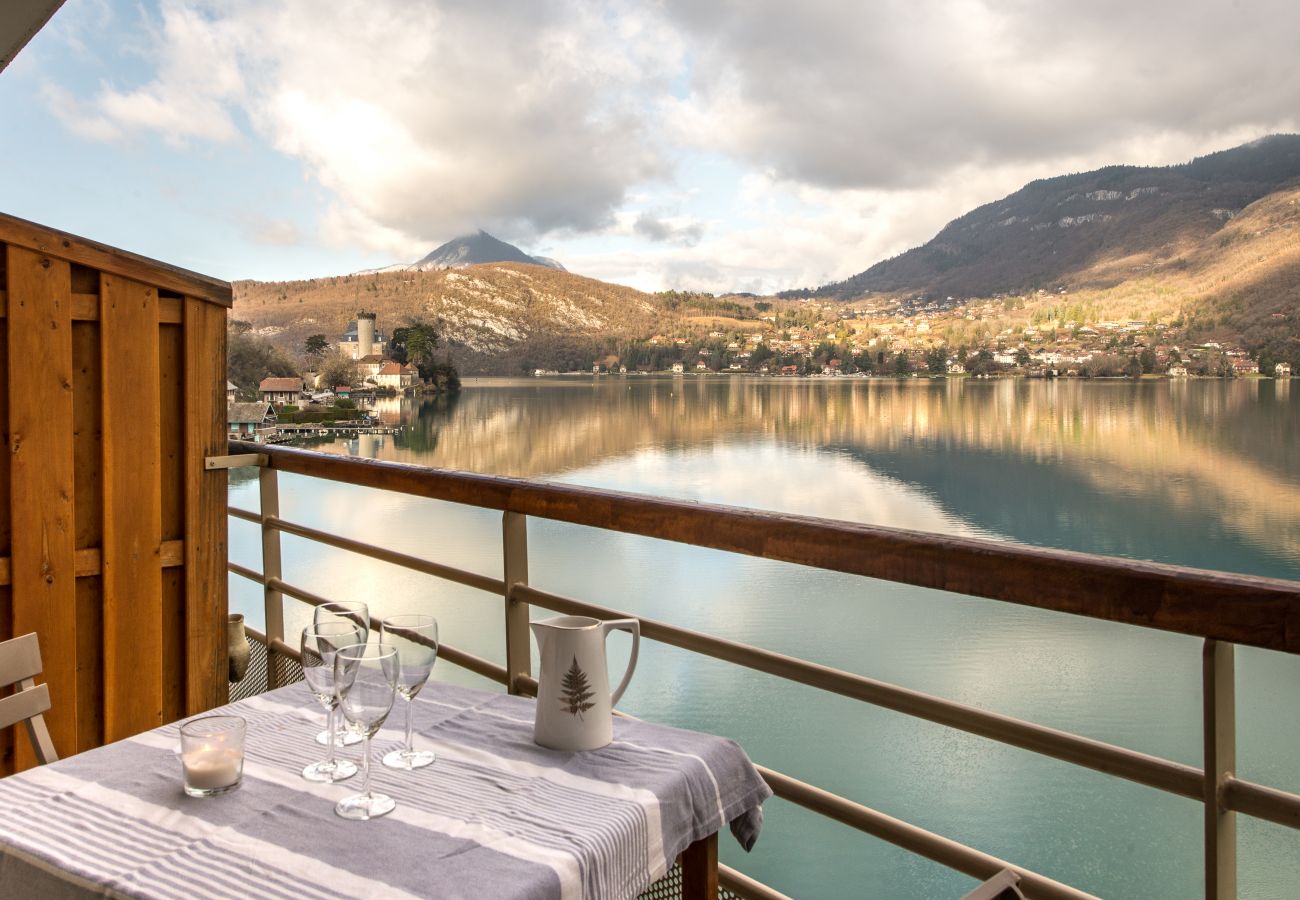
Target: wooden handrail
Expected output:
[72,248]
[1240,609]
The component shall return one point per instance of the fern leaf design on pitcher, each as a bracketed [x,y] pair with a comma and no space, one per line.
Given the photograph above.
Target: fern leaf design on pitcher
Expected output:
[576,692]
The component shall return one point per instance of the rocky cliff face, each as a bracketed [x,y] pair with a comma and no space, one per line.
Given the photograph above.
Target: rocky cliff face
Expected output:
[1071,230]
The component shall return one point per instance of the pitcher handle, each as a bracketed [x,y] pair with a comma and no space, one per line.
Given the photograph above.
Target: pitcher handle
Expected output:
[634,627]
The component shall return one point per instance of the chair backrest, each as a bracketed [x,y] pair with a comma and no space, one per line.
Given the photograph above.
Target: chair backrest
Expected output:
[20,662]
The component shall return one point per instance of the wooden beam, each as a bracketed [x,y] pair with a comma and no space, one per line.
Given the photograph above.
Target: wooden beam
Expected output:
[86,561]
[85,308]
[234,461]
[1241,609]
[69,247]
[700,869]
[206,683]
[132,552]
[42,483]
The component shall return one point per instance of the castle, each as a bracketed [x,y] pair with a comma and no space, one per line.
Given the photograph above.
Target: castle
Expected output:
[362,339]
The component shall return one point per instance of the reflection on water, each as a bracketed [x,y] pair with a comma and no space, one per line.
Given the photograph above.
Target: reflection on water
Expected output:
[1202,473]
[1151,469]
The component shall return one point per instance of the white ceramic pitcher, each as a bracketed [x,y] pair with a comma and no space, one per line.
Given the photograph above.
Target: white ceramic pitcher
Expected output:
[574,705]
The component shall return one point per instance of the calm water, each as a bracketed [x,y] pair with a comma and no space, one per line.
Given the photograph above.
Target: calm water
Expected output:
[1202,473]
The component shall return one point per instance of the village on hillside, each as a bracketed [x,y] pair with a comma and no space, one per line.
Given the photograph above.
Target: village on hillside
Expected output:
[338,397]
[918,336]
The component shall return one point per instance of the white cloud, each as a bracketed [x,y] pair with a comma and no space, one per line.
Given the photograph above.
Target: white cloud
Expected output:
[77,117]
[851,131]
[423,120]
[900,93]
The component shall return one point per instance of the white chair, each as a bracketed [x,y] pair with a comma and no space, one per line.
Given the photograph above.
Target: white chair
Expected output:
[20,662]
[1003,886]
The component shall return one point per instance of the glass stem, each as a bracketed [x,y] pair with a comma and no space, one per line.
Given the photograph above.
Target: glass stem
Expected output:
[410,746]
[365,767]
[330,727]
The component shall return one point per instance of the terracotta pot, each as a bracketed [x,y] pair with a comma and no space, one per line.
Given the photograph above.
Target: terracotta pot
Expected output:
[237,642]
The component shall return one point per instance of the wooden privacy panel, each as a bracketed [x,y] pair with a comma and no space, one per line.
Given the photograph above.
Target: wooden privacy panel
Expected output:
[112,532]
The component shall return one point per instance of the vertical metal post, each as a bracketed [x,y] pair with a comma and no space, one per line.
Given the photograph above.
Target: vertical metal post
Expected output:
[514,540]
[1220,709]
[269,489]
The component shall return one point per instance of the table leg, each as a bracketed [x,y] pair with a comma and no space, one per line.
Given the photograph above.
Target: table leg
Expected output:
[700,869]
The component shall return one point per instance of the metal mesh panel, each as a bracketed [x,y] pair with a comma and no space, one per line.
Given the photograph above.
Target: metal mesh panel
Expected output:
[287,669]
[254,680]
[670,888]
[667,888]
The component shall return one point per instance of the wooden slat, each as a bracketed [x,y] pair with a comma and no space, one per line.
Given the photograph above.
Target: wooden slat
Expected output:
[85,308]
[6,609]
[86,561]
[1241,609]
[112,260]
[42,485]
[132,573]
[205,510]
[88,459]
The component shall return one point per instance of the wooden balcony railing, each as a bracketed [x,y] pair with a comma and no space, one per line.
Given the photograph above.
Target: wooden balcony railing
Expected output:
[1222,609]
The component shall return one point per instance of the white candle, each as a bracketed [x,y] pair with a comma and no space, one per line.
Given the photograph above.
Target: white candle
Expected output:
[210,767]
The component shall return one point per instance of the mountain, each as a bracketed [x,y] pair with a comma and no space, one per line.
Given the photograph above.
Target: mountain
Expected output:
[475,249]
[1089,230]
[499,318]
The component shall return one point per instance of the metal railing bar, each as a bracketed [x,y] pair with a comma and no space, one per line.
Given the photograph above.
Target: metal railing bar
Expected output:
[1152,771]
[1262,802]
[453,655]
[462,658]
[914,839]
[244,572]
[279,646]
[437,570]
[244,514]
[1241,609]
[742,885]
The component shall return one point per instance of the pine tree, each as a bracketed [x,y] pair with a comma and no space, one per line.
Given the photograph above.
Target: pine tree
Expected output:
[576,691]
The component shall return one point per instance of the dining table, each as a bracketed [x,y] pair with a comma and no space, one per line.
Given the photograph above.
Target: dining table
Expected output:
[495,815]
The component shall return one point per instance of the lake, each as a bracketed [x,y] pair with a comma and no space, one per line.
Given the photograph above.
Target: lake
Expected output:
[1199,473]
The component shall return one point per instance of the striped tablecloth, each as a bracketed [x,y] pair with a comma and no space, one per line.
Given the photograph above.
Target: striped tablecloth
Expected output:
[495,816]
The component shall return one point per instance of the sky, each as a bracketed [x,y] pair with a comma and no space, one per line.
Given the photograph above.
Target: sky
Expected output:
[716,145]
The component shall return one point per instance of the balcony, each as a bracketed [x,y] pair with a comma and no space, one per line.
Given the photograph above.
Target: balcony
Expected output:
[115,543]
[1223,610]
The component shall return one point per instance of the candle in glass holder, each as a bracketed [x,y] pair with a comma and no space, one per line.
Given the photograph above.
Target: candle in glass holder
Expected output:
[212,754]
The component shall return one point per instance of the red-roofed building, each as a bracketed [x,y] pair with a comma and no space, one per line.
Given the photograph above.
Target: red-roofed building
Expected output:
[395,375]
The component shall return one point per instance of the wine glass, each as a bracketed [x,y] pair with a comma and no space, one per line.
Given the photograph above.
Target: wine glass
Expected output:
[358,613]
[416,638]
[354,611]
[320,644]
[366,675]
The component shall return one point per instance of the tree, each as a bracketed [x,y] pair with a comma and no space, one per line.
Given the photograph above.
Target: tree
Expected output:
[936,361]
[1022,357]
[901,365]
[415,344]
[315,345]
[249,359]
[1147,359]
[338,371]
[576,692]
